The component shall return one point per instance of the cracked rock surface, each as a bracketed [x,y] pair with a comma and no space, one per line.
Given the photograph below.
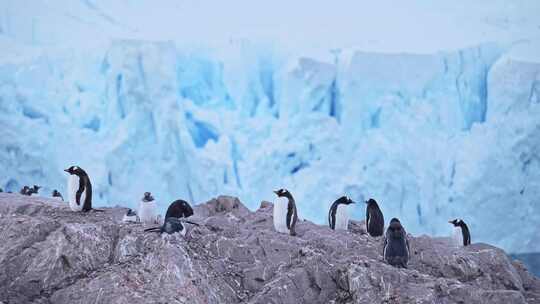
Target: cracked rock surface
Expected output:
[49,254]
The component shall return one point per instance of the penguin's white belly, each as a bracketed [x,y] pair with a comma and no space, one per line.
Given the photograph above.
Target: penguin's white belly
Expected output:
[183,231]
[147,212]
[280,214]
[72,187]
[342,217]
[457,237]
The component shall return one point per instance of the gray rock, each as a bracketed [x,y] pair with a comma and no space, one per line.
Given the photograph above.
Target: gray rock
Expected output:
[49,254]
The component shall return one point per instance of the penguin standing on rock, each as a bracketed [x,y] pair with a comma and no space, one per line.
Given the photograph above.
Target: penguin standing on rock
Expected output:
[338,215]
[33,190]
[285,214]
[130,216]
[57,195]
[147,209]
[396,245]
[79,190]
[24,190]
[374,218]
[461,236]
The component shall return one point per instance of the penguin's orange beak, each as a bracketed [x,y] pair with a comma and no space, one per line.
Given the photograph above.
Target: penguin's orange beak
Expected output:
[450,222]
[67,170]
[275,191]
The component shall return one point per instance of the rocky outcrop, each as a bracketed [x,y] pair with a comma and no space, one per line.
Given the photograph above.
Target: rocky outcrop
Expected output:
[49,254]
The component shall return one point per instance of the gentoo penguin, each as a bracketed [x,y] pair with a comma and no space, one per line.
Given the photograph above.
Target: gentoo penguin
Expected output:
[57,195]
[285,214]
[24,190]
[461,236]
[179,208]
[33,190]
[396,245]
[130,216]
[147,209]
[374,218]
[338,215]
[172,225]
[79,190]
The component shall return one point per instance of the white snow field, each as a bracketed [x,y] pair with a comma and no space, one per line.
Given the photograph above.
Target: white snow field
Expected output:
[431,109]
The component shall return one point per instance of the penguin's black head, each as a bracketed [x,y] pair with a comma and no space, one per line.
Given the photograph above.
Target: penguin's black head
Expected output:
[345,200]
[456,222]
[55,193]
[36,188]
[282,192]
[371,202]
[148,197]
[395,229]
[75,170]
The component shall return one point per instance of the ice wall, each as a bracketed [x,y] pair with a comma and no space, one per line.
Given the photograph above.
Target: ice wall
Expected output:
[431,136]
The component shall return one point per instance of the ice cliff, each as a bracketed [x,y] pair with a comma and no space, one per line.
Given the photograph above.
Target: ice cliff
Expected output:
[431,136]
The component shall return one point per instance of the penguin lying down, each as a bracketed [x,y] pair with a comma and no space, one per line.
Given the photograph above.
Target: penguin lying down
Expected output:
[175,218]
[172,225]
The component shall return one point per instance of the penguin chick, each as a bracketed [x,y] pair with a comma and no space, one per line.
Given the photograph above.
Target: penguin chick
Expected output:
[396,245]
[147,209]
[130,216]
[57,195]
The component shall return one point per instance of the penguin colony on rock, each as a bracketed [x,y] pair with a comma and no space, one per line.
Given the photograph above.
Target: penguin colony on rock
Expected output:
[396,249]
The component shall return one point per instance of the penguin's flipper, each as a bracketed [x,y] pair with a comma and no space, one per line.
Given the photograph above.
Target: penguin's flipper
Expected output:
[189,222]
[153,229]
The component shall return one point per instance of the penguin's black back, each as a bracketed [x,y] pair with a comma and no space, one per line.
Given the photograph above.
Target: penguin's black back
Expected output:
[466,234]
[292,215]
[179,209]
[374,219]
[88,199]
[396,246]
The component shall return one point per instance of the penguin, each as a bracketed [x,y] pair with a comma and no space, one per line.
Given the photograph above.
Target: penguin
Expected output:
[33,190]
[1,190]
[179,208]
[285,214]
[130,216]
[147,209]
[57,195]
[79,190]
[24,190]
[374,218]
[396,245]
[461,236]
[338,215]
[172,225]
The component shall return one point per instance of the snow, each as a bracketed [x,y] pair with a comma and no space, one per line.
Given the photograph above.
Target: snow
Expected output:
[436,120]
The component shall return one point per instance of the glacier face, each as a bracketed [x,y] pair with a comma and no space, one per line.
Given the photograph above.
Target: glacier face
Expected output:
[430,136]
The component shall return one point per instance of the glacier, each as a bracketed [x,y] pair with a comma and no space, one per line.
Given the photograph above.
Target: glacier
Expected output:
[431,135]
